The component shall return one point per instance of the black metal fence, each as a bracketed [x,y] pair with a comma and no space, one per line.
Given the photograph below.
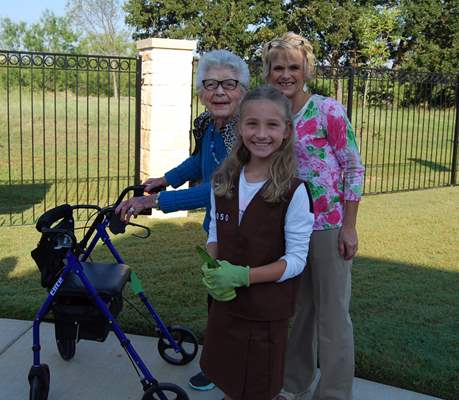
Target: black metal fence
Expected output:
[69,131]
[407,123]
[70,128]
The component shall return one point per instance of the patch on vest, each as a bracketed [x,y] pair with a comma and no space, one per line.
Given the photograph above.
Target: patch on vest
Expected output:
[224,217]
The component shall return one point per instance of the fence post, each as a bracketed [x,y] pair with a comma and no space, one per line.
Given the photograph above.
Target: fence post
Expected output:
[138,106]
[350,91]
[165,110]
[456,137]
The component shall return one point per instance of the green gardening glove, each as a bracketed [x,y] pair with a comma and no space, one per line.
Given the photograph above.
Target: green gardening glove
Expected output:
[225,294]
[227,276]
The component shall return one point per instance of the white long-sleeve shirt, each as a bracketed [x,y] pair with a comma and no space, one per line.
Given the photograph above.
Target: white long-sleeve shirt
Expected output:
[298,224]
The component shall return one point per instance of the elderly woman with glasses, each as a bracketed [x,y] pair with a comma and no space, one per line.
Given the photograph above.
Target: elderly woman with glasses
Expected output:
[222,78]
[328,160]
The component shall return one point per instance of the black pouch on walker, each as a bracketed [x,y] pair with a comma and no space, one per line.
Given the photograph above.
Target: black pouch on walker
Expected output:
[50,252]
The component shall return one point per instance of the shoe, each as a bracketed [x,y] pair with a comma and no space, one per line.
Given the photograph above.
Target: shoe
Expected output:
[201,382]
[283,395]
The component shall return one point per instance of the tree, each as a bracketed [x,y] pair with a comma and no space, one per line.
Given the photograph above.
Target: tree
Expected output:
[329,26]
[49,34]
[101,24]
[241,26]
[12,34]
[378,32]
[431,35]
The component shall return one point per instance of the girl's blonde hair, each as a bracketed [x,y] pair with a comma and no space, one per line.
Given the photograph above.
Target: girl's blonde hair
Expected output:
[283,164]
[290,41]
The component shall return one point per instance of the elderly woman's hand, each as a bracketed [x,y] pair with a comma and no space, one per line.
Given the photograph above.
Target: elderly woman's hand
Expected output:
[134,206]
[153,183]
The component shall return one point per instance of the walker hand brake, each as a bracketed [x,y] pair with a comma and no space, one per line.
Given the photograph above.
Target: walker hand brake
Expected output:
[147,234]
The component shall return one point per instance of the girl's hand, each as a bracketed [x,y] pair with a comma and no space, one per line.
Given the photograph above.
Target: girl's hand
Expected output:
[227,276]
[226,294]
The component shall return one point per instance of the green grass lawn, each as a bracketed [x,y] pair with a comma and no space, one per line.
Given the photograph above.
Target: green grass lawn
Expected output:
[405,304]
[48,136]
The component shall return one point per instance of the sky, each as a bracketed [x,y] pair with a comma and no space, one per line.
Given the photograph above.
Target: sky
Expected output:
[30,11]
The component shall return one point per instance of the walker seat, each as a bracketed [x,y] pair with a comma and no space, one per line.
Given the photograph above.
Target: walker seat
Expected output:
[107,279]
[76,316]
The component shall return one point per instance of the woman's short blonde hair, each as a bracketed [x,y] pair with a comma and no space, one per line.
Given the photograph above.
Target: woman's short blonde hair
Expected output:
[290,41]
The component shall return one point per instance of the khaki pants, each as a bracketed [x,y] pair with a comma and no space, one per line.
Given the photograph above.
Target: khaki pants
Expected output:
[322,324]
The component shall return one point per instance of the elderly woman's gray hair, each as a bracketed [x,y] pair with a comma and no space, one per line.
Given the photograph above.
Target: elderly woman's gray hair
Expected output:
[222,59]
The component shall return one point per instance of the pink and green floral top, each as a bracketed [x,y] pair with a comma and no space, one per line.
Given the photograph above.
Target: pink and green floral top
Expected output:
[328,159]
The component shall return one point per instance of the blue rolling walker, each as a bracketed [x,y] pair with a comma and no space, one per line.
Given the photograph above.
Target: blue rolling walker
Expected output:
[86,297]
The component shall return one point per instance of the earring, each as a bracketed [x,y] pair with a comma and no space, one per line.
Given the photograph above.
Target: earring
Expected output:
[305,87]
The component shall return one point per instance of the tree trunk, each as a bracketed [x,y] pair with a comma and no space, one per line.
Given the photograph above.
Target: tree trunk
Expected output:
[365,95]
[338,85]
[115,85]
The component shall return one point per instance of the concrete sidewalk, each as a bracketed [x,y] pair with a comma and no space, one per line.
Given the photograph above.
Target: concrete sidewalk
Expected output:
[102,371]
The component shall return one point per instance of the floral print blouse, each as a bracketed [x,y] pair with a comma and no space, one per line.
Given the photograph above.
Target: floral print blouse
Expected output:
[328,159]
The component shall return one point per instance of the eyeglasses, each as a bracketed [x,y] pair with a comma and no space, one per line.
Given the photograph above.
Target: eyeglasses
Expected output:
[284,43]
[213,84]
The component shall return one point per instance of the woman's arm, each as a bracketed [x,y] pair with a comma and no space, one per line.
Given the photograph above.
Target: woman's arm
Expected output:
[185,199]
[190,169]
[169,201]
[341,137]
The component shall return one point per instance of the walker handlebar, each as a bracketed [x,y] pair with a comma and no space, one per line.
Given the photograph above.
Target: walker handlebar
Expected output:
[65,211]
[51,216]
[138,190]
[55,214]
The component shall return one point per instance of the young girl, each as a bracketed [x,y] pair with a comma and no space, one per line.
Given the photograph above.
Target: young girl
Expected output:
[261,220]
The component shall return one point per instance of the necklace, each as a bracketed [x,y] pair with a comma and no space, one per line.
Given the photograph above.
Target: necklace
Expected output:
[212,148]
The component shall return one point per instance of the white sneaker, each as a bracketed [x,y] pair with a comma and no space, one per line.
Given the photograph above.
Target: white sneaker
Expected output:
[283,395]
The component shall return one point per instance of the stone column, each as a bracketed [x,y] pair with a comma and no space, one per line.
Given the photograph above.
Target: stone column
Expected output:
[166,106]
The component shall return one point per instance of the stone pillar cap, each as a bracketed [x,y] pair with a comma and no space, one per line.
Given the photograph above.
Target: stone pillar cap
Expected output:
[173,44]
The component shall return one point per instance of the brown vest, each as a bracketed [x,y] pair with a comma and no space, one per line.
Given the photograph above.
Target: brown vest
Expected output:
[257,241]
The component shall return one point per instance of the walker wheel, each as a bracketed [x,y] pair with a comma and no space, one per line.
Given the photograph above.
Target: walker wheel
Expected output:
[186,342]
[167,391]
[39,382]
[66,348]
